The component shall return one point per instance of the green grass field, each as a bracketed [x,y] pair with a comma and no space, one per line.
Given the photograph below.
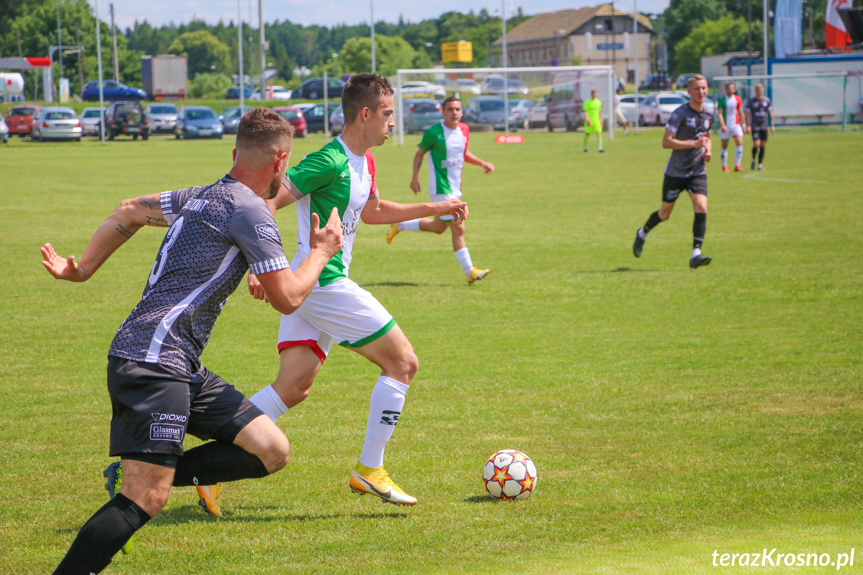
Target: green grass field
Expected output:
[671,413]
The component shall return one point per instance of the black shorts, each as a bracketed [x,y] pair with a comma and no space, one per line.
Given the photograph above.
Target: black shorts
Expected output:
[672,186]
[759,135]
[154,406]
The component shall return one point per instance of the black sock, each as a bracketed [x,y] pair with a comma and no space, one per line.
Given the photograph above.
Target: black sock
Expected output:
[754,152]
[217,461]
[653,221]
[699,227]
[103,536]
[761,155]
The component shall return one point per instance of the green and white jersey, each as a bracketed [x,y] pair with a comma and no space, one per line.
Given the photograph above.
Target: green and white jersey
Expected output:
[446,160]
[332,177]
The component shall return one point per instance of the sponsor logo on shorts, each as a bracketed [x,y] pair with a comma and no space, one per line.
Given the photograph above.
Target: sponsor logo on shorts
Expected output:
[167,432]
[161,417]
[267,232]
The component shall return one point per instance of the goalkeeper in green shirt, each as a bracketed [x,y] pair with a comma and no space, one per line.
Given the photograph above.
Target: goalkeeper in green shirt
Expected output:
[593,119]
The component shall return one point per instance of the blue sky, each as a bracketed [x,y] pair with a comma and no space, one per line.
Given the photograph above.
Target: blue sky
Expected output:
[331,12]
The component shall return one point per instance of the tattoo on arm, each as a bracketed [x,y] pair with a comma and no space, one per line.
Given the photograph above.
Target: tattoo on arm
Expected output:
[121,229]
[150,203]
[158,222]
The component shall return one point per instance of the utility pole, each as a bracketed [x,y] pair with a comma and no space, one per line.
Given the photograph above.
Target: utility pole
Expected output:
[261,43]
[60,46]
[114,36]
[374,60]
[242,81]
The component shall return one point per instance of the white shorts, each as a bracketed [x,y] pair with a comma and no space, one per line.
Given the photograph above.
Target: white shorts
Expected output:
[436,198]
[734,131]
[342,313]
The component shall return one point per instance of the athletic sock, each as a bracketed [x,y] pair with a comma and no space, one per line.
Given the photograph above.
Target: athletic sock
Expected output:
[738,155]
[599,135]
[268,401]
[463,257]
[385,408]
[217,461]
[699,227]
[586,136]
[724,155]
[761,155]
[653,221]
[409,226]
[754,152]
[642,234]
[102,536]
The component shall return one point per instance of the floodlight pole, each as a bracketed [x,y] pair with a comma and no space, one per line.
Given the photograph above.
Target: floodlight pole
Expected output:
[635,21]
[766,25]
[60,48]
[505,64]
[372,9]
[240,49]
[101,88]
[261,47]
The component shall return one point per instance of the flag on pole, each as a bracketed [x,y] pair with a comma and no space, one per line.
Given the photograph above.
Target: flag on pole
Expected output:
[786,27]
[835,35]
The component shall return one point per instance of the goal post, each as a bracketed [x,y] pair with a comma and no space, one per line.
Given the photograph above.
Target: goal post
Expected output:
[505,99]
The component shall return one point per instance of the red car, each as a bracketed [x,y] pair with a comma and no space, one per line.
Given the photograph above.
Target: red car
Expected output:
[295,117]
[20,119]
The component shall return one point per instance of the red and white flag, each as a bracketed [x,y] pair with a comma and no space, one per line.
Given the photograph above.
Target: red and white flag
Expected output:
[835,34]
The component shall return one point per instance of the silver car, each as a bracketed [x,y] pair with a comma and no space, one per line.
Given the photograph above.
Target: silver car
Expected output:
[337,120]
[230,118]
[162,117]
[91,119]
[4,131]
[56,123]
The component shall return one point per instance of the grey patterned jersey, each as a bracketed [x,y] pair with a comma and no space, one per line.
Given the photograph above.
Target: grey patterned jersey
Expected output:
[687,124]
[217,233]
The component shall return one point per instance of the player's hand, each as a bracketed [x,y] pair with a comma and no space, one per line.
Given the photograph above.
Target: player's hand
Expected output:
[707,155]
[488,167]
[455,208]
[329,237]
[772,130]
[256,289]
[62,268]
[415,185]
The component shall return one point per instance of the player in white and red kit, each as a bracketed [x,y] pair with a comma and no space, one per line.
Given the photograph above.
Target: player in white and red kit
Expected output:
[731,125]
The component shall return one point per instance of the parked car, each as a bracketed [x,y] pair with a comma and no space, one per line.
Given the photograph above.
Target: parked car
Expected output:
[295,116]
[495,85]
[422,89]
[304,106]
[537,115]
[658,106]
[420,114]
[313,88]
[315,116]
[568,94]
[126,118]
[230,118]
[20,119]
[630,107]
[337,120]
[272,93]
[656,82]
[162,117]
[233,93]
[56,123]
[4,131]
[91,121]
[198,122]
[489,110]
[519,110]
[709,104]
[468,85]
[111,91]
[682,81]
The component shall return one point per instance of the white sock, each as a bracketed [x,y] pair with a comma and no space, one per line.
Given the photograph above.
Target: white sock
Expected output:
[696,252]
[463,257]
[738,155]
[268,401]
[385,408]
[642,234]
[409,226]
[724,155]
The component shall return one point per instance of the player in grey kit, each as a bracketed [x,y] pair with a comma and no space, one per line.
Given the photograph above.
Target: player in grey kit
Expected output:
[159,389]
[687,134]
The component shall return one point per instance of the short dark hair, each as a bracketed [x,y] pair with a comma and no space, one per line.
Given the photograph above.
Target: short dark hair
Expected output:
[264,128]
[364,91]
[450,99]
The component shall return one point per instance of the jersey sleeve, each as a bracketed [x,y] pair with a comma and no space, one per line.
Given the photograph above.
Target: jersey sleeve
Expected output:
[370,160]
[465,129]
[674,121]
[253,229]
[314,173]
[172,202]
[428,141]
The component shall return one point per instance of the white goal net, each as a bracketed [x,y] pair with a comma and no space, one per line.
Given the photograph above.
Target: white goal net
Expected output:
[504,99]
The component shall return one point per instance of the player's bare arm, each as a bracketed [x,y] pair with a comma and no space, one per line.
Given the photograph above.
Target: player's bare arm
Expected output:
[285,290]
[669,142]
[130,216]
[283,199]
[379,211]
[708,147]
[470,158]
[418,161]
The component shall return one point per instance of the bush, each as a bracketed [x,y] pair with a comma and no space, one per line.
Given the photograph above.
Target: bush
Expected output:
[209,85]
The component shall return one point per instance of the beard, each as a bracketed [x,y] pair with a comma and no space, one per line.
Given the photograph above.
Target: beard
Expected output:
[273,189]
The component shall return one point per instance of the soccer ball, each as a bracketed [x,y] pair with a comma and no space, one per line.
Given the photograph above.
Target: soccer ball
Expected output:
[509,474]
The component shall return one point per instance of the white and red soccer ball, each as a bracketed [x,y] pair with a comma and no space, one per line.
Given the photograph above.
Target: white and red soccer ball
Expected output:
[509,474]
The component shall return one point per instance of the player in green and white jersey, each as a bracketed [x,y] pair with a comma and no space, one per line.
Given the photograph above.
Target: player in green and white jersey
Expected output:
[342,175]
[447,143]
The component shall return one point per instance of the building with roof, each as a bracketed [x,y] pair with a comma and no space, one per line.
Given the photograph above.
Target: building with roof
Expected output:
[592,36]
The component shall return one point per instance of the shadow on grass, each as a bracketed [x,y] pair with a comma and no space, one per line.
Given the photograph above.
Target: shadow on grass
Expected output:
[614,271]
[241,514]
[480,499]
[392,284]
